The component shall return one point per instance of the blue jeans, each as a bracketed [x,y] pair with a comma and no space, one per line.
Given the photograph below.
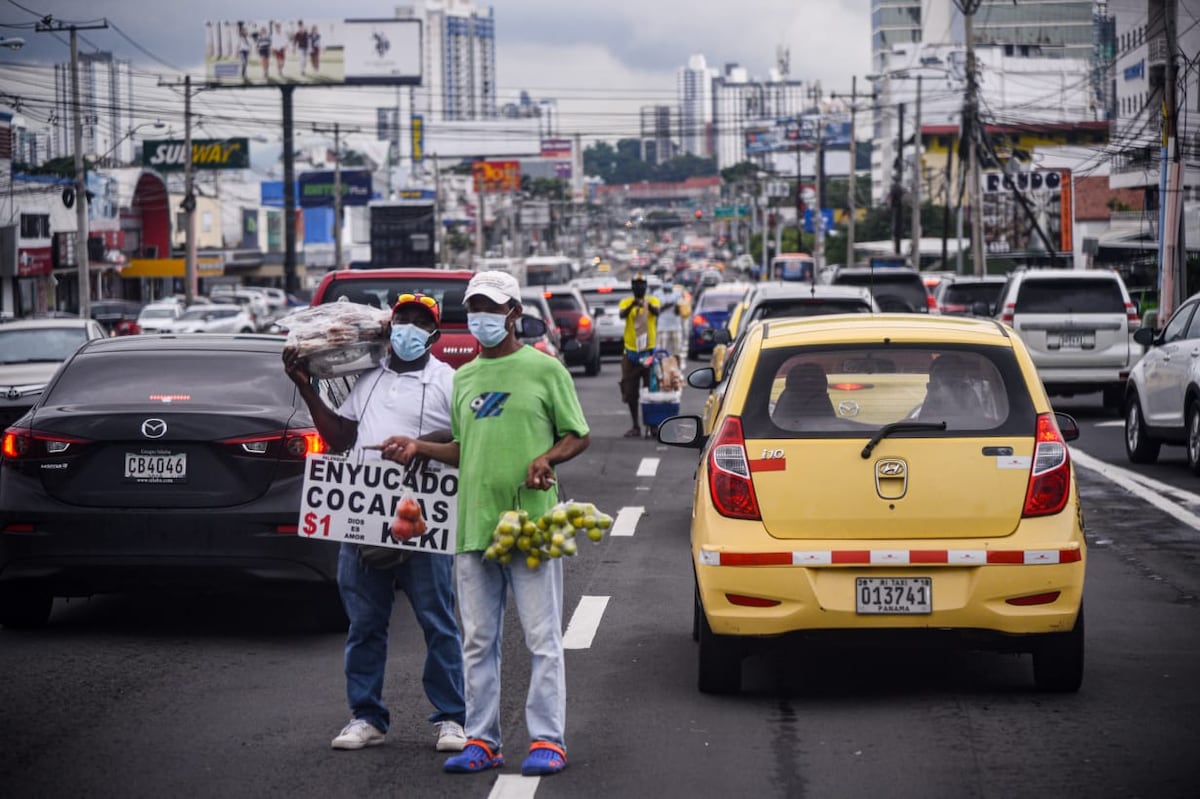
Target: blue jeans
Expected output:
[483,587]
[368,595]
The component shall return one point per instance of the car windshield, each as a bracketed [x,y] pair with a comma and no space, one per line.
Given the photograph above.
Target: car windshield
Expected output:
[381,292]
[718,300]
[608,297]
[969,293]
[32,345]
[852,391]
[563,303]
[814,307]
[175,378]
[1070,295]
[158,313]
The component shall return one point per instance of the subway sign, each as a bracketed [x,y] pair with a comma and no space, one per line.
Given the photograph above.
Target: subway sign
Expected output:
[167,155]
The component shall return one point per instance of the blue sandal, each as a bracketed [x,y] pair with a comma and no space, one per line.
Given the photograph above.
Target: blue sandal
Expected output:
[475,756]
[544,758]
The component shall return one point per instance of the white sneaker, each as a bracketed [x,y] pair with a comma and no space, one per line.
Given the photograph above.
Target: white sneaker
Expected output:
[358,734]
[450,736]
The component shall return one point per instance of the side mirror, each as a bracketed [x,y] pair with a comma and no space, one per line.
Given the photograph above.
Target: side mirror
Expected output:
[531,327]
[681,431]
[599,311]
[704,377]
[1145,335]
[981,308]
[721,336]
[1067,426]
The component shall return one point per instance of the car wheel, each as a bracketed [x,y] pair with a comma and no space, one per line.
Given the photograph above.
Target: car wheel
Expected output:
[720,661]
[24,609]
[592,367]
[245,330]
[1058,660]
[1193,437]
[1139,447]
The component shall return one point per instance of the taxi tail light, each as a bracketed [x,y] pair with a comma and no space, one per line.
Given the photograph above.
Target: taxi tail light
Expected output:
[729,482]
[1035,599]
[751,601]
[1050,475]
[21,443]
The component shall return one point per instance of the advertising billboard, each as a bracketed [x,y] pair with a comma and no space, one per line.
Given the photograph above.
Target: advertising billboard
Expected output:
[168,155]
[307,51]
[317,188]
[1011,203]
[497,177]
[556,148]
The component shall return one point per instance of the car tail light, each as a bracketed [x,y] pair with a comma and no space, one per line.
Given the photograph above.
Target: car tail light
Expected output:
[1009,309]
[21,443]
[1035,599]
[699,321]
[1050,476]
[291,444]
[585,322]
[604,290]
[1132,315]
[930,302]
[954,308]
[851,386]
[729,482]
[751,601]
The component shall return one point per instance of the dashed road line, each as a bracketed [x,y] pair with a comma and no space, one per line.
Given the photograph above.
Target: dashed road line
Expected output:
[626,521]
[648,467]
[584,622]
[514,786]
[1144,488]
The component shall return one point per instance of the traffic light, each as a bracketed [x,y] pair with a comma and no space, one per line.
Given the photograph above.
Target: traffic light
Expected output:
[699,214]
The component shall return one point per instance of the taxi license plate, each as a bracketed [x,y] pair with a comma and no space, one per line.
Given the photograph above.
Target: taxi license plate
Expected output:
[893,595]
[156,467]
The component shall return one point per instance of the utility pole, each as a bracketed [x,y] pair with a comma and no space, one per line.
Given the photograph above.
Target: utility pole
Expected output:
[336,130]
[897,185]
[818,216]
[853,188]
[973,131]
[1170,247]
[290,281]
[189,198]
[915,239]
[81,218]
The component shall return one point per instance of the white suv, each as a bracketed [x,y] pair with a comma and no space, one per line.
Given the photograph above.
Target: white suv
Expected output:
[1078,325]
[1162,403]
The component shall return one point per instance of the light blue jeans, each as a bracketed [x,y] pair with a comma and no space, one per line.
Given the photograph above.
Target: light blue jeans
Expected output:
[483,587]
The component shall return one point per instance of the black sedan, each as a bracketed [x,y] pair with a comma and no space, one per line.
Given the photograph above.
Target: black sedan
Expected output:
[159,461]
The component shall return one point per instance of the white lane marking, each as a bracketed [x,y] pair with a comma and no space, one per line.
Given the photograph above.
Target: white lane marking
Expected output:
[1111,423]
[627,519]
[514,786]
[648,467]
[584,622]
[1144,488]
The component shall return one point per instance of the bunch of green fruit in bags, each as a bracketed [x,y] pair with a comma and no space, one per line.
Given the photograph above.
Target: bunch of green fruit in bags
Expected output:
[550,535]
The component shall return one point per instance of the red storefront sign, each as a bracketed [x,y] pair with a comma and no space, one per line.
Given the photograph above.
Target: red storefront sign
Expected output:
[34,261]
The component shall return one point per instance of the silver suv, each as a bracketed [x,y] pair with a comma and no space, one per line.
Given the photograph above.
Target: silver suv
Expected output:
[1078,325]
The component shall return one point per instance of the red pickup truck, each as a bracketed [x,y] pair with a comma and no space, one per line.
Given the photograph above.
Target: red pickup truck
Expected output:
[381,287]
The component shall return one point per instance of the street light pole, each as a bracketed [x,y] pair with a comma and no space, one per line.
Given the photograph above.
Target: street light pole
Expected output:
[189,199]
[915,240]
[850,200]
[971,126]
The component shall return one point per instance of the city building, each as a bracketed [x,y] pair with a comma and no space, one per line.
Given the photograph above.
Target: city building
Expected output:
[694,92]
[106,103]
[744,106]
[460,61]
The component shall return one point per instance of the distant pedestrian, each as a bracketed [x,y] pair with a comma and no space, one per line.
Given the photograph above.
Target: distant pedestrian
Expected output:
[641,327]
[300,40]
[262,43]
[243,47]
[279,46]
[314,47]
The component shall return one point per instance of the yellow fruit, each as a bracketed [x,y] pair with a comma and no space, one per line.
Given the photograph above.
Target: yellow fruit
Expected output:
[506,527]
[559,516]
[589,521]
[504,559]
[603,521]
[533,561]
[595,534]
[528,528]
[554,552]
[506,541]
[557,539]
[543,523]
[569,547]
[523,515]
[523,543]
[490,553]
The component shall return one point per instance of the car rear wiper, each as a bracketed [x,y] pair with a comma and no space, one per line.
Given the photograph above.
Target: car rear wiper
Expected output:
[888,429]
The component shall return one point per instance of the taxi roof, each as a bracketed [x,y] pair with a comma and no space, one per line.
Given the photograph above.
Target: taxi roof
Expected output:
[860,328]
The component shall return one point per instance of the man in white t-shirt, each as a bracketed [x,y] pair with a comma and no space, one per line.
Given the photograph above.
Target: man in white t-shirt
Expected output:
[407,395]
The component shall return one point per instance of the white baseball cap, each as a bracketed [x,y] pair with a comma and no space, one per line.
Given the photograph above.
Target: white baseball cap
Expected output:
[497,286]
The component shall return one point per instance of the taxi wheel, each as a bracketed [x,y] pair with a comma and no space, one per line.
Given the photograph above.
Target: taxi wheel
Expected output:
[1058,660]
[1139,447]
[720,661]
[1193,437]
[23,609]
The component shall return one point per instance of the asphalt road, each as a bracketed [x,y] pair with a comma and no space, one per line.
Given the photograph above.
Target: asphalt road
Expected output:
[232,696]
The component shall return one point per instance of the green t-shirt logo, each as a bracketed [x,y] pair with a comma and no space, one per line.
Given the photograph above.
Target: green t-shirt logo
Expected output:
[490,404]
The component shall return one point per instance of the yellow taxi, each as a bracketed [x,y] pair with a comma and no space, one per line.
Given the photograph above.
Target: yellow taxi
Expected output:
[883,475]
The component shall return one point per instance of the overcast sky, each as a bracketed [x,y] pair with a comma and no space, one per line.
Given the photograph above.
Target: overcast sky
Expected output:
[601,60]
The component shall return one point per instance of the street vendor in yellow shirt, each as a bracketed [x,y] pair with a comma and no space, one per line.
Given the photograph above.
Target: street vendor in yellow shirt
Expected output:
[641,328]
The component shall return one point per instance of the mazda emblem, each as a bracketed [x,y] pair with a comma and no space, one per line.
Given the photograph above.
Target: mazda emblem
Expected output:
[154,428]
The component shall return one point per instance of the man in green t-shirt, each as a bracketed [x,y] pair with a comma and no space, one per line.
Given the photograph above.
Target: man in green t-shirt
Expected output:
[515,415]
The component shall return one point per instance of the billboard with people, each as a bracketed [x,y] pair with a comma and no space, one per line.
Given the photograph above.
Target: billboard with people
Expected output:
[307,51]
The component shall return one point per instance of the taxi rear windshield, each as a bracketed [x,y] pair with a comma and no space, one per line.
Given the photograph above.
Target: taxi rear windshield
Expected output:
[775,310]
[175,378]
[848,391]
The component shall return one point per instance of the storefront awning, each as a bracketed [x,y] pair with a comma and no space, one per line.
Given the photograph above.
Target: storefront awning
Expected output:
[172,267]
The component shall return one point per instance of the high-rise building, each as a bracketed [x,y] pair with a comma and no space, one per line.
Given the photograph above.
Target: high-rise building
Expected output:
[460,61]
[106,104]
[742,104]
[694,89]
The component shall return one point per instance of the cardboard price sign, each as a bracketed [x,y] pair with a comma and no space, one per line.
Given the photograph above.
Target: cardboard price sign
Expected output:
[348,499]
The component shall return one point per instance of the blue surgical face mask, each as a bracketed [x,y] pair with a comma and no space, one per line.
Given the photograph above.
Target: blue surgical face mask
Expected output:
[409,342]
[488,328]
